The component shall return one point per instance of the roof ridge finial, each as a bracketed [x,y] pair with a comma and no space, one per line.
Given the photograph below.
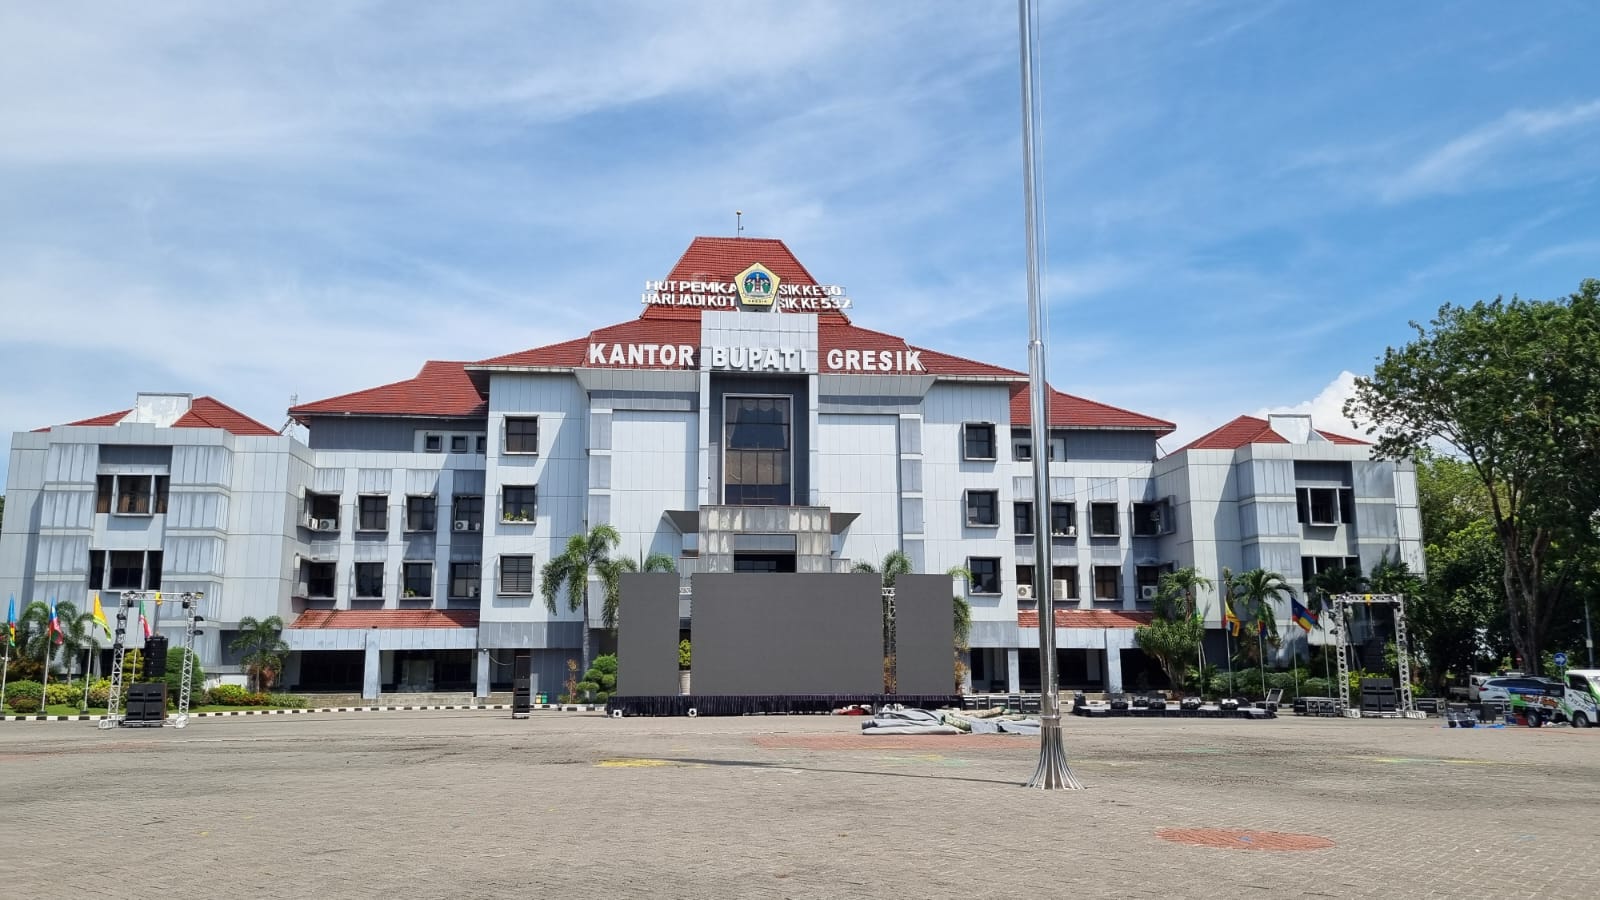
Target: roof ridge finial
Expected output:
[738,223]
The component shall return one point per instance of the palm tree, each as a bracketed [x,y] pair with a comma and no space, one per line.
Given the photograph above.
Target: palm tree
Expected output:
[1329,583]
[584,553]
[34,631]
[263,649]
[1178,593]
[611,575]
[1257,591]
[895,564]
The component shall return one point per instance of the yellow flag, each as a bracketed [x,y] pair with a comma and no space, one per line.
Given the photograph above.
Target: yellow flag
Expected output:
[158,598]
[100,616]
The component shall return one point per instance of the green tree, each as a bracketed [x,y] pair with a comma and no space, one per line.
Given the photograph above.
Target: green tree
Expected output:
[895,564]
[36,641]
[1256,594]
[1178,593]
[612,576]
[1514,388]
[584,553]
[1174,635]
[260,643]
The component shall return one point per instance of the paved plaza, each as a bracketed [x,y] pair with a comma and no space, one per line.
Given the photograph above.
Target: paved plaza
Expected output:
[476,804]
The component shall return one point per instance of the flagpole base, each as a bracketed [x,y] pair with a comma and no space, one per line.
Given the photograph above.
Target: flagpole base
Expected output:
[1053,774]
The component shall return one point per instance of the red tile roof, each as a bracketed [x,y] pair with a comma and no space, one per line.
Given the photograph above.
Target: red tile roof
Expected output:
[208,412]
[1087,618]
[442,389]
[834,334]
[722,259]
[1247,430]
[1068,411]
[204,412]
[574,353]
[387,618]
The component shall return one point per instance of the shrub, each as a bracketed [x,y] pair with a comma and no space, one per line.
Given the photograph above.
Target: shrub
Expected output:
[15,690]
[100,692]
[22,704]
[1316,687]
[64,694]
[288,701]
[230,695]
[174,674]
[685,655]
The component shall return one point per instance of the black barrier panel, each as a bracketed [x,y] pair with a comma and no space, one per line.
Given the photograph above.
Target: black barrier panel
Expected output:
[647,633]
[768,704]
[924,634]
[787,634]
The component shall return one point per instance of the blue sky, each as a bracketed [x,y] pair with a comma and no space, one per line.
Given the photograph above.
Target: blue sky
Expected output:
[1245,202]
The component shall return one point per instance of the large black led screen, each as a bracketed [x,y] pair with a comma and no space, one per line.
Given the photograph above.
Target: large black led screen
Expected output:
[787,634]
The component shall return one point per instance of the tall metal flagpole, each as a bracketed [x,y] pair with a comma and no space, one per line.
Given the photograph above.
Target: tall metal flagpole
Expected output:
[1052,773]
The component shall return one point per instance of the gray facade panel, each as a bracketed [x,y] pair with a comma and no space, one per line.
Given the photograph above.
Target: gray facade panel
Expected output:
[911,515]
[910,434]
[647,635]
[535,635]
[134,454]
[379,433]
[1321,472]
[1377,520]
[911,475]
[1129,446]
[788,634]
[599,430]
[924,635]
[327,481]
[1374,479]
[373,481]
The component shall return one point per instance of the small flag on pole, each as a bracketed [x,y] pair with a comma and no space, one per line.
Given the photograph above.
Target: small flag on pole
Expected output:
[1303,617]
[100,616]
[11,621]
[55,624]
[1229,619]
[144,624]
[158,598]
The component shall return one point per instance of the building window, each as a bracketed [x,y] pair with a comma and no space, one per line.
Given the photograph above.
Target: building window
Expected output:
[985,574]
[466,513]
[983,508]
[465,578]
[1066,579]
[1021,445]
[1058,448]
[320,580]
[1148,580]
[483,444]
[418,579]
[1107,582]
[978,440]
[756,457]
[1022,517]
[372,513]
[1325,506]
[1064,519]
[522,435]
[125,570]
[322,512]
[1149,519]
[369,579]
[421,512]
[516,574]
[518,504]
[1103,519]
[1312,566]
[131,495]
[458,443]
[433,443]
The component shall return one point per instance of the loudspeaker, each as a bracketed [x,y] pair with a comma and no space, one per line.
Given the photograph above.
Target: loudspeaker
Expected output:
[147,703]
[522,684]
[155,658]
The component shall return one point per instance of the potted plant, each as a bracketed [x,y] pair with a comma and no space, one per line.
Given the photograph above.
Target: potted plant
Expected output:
[684,655]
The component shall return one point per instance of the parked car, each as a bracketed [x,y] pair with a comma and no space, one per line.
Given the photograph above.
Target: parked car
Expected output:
[1541,697]
[1475,683]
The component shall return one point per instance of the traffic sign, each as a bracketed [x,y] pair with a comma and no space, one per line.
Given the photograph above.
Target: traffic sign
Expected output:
[1561,659]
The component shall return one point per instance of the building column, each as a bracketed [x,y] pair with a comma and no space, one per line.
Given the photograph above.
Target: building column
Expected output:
[372,679]
[1113,669]
[483,672]
[1013,672]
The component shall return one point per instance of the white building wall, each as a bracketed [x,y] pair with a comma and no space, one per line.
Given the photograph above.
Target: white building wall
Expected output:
[858,471]
[654,455]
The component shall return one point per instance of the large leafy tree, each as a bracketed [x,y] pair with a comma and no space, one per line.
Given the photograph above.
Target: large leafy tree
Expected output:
[1174,635]
[262,648]
[584,553]
[1513,387]
[896,563]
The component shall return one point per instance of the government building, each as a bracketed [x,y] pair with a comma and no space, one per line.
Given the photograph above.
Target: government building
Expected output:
[741,423]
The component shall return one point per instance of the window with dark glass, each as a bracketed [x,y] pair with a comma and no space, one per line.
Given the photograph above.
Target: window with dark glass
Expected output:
[985,574]
[320,579]
[756,457]
[983,507]
[418,577]
[126,570]
[465,579]
[133,495]
[458,443]
[466,514]
[978,440]
[369,579]
[1063,519]
[483,443]
[1103,519]
[420,512]
[1021,444]
[105,489]
[518,503]
[373,513]
[97,570]
[1022,517]
[1149,519]
[1107,583]
[1325,506]
[433,443]
[516,574]
[1066,579]
[522,435]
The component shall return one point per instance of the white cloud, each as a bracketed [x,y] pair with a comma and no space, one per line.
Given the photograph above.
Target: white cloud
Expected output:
[1326,408]
[1451,165]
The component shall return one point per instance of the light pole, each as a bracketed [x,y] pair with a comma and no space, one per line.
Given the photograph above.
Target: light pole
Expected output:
[1052,773]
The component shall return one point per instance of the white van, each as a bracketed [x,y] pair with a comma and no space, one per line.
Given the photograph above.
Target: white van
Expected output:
[1581,705]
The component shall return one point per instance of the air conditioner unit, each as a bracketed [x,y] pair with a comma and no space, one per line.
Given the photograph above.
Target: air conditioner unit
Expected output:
[1024,592]
[311,523]
[472,592]
[1059,587]
[1148,592]
[477,526]
[1070,532]
[327,524]
[462,524]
